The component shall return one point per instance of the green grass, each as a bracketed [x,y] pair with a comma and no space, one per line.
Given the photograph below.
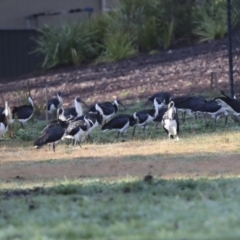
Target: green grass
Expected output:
[126,209]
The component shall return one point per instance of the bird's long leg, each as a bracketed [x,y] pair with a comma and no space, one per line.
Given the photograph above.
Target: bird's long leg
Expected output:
[206,122]
[90,138]
[215,122]
[183,116]
[74,143]
[79,143]
[122,134]
[226,119]
[54,147]
[157,125]
[118,135]
[134,128]
[21,125]
[144,128]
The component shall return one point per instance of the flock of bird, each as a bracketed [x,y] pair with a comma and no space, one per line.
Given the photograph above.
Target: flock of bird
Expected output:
[73,123]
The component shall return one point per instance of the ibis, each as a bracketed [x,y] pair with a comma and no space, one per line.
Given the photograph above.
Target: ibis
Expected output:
[187,104]
[147,116]
[213,110]
[23,113]
[52,134]
[77,130]
[170,122]
[120,123]
[165,95]
[107,109]
[75,111]
[5,117]
[54,103]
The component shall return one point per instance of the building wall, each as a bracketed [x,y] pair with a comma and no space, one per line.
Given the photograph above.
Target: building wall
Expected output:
[13,12]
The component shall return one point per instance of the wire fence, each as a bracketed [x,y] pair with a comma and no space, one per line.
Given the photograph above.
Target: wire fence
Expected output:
[233,22]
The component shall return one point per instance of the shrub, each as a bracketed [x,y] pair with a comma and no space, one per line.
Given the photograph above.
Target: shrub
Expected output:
[210,20]
[167,30]
[117,46]
[141,18]
[71,43]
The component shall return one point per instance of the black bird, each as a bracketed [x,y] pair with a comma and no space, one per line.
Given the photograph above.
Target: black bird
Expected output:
[23,113]
[165,95]
[231,105]
[147,116]
[120,123]
[160,115]
[107,109]
[2,110]
[55,103]
[77,130]
[60,117]
[188,104]
[92,120]
[212,109]
[170,122]
[52,134]
[5,117]
[75,111]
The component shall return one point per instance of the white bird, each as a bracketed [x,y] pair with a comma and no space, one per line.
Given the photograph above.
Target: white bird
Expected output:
[170,122]
[5,117]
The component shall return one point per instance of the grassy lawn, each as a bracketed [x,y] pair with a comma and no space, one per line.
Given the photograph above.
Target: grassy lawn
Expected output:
[123,209]
[142,187]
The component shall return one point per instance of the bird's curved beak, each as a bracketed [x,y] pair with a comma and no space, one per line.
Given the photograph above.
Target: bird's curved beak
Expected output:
[122,105]
[84,103]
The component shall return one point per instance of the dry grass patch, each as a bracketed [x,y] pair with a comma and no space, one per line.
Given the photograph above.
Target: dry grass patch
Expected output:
[213,154]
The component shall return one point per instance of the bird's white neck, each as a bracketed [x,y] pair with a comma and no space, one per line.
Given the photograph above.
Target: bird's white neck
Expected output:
[156,106]
[30,101]
[60,99]
[78,108]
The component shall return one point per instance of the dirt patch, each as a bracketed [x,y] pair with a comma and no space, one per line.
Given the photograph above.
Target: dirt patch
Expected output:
[179,71]
[120,168]
[159,158]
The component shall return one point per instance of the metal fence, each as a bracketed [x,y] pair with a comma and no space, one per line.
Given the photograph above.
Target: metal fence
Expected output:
[15,53]
[233,21]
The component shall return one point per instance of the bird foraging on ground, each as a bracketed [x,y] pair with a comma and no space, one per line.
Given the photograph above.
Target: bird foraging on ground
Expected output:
[107,109]
[170,122]
[120,123]
[147,116]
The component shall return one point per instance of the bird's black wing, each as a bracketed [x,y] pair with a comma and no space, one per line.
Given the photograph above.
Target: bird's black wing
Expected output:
[53,101]
[75,126]
[68,112]
[116,123]
[142,117]
[50,135]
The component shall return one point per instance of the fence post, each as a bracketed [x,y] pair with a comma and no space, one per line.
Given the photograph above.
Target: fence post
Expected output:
[230,57]
[46,103]
[213,84]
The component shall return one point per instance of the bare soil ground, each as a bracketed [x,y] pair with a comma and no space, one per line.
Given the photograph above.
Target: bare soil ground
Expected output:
[192,157]
[179,71]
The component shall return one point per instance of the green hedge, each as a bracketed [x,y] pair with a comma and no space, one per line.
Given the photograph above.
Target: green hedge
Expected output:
[134,26]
